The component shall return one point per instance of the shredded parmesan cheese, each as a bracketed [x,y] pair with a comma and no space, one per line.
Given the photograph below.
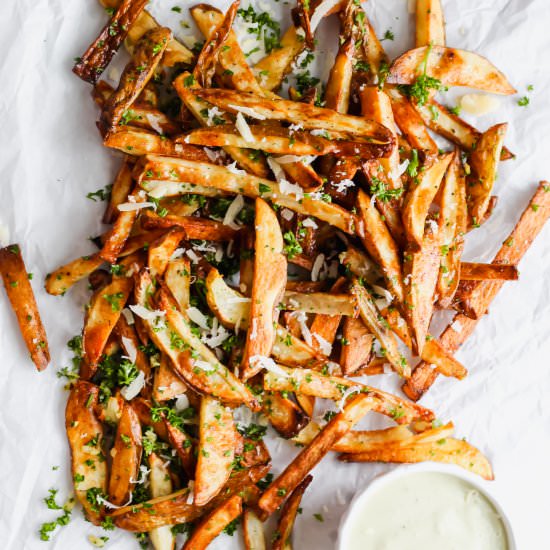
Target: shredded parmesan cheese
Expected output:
[322,9]
[324,345]
[128,315]
[182,402]
[308,222]
[147,314]
[244,128]
[247,111]
[197,317]
[133,389]
[132,206]
[317,265]
[130,348]
[268,364]
[233,211]
[350,391]
[287,214]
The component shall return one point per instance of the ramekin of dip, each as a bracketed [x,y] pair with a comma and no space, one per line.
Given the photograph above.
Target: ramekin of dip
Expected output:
[428,506]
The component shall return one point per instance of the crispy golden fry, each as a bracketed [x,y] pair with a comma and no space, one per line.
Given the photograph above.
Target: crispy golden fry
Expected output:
[288,516]
[22,300]
[268,285]
[212,525]
[319,302]
[138,72]
[420,196]
[194,177]
[421,270]
[85,435]
[184,447]
[447,450]
[95,59]
[308,116]
[174,508]
[452,67]
[375,323]
[142,408]
[338,89]
[309,382]
[160,485]
[161,250]
[122,186]
[430,24]
[272,69]
[139,242]
[285,416]
[253,532]
[357,343]
[217,442]
[452,226]
[488,272]
[166,384]
[101,317]
[484,164]
[299,468]
[482,293]
[126,457]
[178,280]
[129,342]
[380,245]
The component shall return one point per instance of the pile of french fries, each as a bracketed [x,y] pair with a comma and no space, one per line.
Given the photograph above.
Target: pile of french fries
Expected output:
[197,325]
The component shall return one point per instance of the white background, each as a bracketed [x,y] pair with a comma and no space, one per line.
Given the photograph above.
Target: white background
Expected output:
[51,156]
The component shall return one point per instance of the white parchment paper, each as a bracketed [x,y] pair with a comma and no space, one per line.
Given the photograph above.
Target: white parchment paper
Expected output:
[51,157]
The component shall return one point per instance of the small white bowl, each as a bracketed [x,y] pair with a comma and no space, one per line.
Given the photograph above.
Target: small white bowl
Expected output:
[482,485]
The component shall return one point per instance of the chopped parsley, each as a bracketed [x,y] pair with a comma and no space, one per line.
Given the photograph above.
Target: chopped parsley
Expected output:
[265,28]
[381,191]
[114,300]
[103,194]
[523,101]
[292,247]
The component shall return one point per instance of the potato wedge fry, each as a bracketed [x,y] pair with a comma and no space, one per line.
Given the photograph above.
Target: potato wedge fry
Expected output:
[193,177]
[178,280]
[142,407]
[166,384]
[129,342]
[288,515]
[175,508]
[267,288]
[446,450]
[161,250]
[375,323]
[482,294]
[160,485]
[22,300]
[85,435]
[101,317]
[420,196]
[147,55]
[126,455]
[95,59]
[430,24]
[452,67]
[309,457]
[121,188]
[253,531]
[216,450]
[319,302]
[183,444]
[213,524]
[285,416]
[337,93]
[488,272]
[357,343]
[484,163]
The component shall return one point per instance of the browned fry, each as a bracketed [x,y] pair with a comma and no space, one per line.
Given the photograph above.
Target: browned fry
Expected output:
[129,341]
[252,453]
[267,288]
[160,484]
[101,317]
[99,278]
[21,296]
[484,164]
[178,279]
[120,189]
[184,447]
[213,524]
[288,516]
[452,67]
[319,302]
[421,270]
[161,250]
[411,124]
[140,69]
[126,457]
[380,245]
[217,442]
[175,508]
[357,343]
[482,293]
[447,450]
[285,416]
[63,278]
[488,272]
[140,241]
[299,468]
[364,441]
[95,59]
[142,407]
[420,196]
[85,435]
[166,384]
[430,24]
[338,89]
[253,533]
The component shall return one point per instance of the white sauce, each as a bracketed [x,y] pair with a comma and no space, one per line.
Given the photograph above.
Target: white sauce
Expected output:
[425,511]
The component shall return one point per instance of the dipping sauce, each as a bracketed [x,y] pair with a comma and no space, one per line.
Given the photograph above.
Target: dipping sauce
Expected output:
[424,511]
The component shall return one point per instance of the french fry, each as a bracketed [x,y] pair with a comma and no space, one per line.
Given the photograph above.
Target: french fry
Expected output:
[267,287]
[175,508]
[337,94]
[184,447]
[162,538]
[95,59]
[142,407]
[488,272]
[452,67]
[85,435]
[129,341]
[254,538]
[166,384]
[216,450]
[285,416]
[22,300]
[121,188]
[101,317]
[212,525]
[318,302]
[430,24]
[288,516]
[126,457]
[309,457]
[178,280]
[161,250]
[356,345]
